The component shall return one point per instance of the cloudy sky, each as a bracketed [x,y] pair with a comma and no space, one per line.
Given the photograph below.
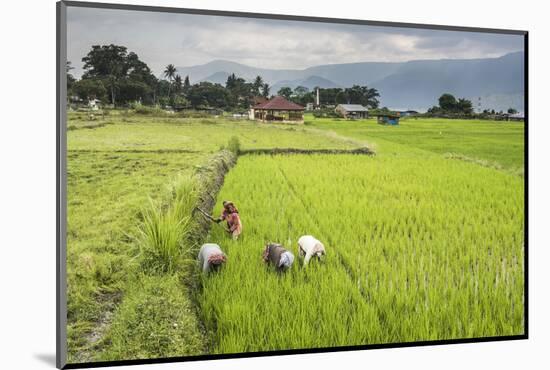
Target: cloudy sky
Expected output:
[186,40]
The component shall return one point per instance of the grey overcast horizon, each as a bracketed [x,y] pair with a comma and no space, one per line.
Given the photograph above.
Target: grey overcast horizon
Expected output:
[184,40]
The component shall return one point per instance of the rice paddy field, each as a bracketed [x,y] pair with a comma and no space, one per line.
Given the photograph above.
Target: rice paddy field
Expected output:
[425,239]
[408,259]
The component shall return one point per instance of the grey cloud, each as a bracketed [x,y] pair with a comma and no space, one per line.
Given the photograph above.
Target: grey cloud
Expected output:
[183,39]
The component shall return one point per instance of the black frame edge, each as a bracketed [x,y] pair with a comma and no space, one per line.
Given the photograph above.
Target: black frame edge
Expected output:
[61,196]
[290,352]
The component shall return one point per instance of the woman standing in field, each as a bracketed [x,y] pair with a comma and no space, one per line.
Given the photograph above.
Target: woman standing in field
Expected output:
[231,215]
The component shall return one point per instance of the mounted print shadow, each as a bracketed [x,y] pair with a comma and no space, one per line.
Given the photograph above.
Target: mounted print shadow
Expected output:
[236,185]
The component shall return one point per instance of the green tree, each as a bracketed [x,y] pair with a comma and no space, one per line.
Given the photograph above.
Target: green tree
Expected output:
[178,84]
[133,90]
[265,90]
[448,103]
[206,94]
[301,91]
[186,84]
[332,96]
[89,88]
[363,95]
[107,62]
[464,106]
[512,111]
[169,73]
[257,85]
[341,97]
[285,91]
[240,91]
[302,95]
[115,66]
[70,78]
[370,97]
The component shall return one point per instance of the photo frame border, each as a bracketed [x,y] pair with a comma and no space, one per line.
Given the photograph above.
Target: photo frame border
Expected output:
[61,183]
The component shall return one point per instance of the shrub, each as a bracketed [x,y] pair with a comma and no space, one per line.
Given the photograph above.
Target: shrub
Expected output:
[234,145]
[146,110]
[165,226]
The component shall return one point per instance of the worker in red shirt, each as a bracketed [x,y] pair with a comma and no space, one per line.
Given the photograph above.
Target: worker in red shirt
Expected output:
[231,215]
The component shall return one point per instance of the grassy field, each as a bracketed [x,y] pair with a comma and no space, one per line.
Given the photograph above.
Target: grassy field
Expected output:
[137,133]
[106,193]
[425,239]
[489,143]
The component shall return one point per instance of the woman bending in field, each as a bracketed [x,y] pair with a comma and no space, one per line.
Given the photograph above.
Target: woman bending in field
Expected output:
[231,215]
[278,256]
[309,246]
[211,257]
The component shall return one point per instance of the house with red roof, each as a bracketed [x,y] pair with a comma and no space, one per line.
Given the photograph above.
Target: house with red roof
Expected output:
[277,109]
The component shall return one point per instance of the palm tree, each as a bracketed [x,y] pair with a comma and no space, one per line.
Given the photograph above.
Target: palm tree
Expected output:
[258,83]
[178,84]
[265,90]
[169,73]
[186,84]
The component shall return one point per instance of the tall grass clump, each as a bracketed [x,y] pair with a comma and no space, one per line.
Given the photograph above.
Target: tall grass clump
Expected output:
[234,145]
[148,111]
[162,235]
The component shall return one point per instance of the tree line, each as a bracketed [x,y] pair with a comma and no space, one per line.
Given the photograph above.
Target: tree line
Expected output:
[118,77]
[449,106]
[356,94]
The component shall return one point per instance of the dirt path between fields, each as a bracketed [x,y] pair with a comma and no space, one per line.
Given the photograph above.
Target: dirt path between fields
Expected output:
[333,135]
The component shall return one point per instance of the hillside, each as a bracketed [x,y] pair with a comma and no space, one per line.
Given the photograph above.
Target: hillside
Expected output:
[414,84]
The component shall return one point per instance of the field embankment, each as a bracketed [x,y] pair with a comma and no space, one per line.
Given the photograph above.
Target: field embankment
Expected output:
[159,298]
[106,194]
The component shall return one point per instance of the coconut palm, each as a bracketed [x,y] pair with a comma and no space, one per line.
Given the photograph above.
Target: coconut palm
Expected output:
[170,73]
[265,90]
[258,84]
[178,84]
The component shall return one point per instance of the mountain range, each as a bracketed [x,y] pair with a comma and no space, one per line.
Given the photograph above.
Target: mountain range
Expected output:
[491,83]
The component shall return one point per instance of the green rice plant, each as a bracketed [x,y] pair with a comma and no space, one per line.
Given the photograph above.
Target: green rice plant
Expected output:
[162,233]
[418,248]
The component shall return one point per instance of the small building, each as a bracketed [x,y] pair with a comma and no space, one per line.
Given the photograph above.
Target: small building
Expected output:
[407,113]
[516,117]
[352,111]
[388,118]
[278,109]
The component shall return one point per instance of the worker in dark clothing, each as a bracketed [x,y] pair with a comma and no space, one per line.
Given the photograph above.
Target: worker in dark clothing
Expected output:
[278,256]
